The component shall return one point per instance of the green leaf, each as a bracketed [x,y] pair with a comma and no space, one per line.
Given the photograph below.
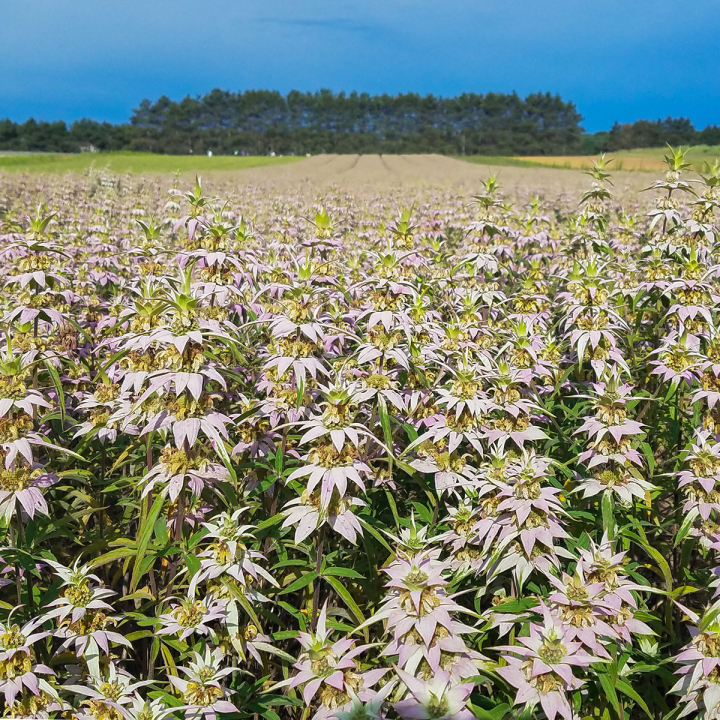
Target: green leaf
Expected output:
[108,557]
[393,508]
[193,564]
[686,526]
[610,694]
[626,689]
[58,388]
[385,421]
[266,647]
[649,456]
[144,535]
[274,520]
[608,514]
[300,583]
[497,713]
[347,598]
[376,535]
[343,572]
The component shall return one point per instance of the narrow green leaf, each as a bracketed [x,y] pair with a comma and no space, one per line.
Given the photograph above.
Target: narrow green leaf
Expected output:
[347,598]
[144,536]
[626,689]
[300,583]
[58,389]
[608,514]
[343,572]
[610,694]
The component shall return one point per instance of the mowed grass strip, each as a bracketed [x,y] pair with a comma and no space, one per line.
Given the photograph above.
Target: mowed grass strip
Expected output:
[135,163]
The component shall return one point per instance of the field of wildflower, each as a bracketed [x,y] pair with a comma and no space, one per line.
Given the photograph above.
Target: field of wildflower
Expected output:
[415,455]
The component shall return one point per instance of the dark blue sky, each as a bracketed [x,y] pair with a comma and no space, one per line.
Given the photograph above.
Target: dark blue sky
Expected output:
[616,59]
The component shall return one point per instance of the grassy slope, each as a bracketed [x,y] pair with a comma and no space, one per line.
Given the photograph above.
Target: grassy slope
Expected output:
[133,162]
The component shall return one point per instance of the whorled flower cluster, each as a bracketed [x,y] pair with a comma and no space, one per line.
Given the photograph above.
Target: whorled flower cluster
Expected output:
[281,460]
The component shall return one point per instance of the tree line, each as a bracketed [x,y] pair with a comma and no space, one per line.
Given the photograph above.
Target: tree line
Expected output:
[261,122]
[648,134]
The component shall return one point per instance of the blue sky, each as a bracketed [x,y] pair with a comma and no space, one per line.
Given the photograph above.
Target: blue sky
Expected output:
[616,59]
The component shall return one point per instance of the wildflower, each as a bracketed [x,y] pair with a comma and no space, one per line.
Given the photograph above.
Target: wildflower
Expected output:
[438,698]
[331,669]
[20,485]
[191,616]
[543,672]
[18,669]
[201,688]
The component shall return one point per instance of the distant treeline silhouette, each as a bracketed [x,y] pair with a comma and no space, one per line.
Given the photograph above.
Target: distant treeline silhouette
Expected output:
[260,122]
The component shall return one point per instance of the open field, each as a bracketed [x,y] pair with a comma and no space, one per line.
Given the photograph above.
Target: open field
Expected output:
[132,162]
[390,173]
[358,426]
[349,169]
[644,160]
[342,167]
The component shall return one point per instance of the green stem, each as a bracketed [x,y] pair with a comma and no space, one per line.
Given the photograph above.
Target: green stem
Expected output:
[318,566]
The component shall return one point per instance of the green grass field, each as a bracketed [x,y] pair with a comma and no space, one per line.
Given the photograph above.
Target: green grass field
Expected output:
[649,160]
[697,154]
[497,160]
[643,160]
[132,162]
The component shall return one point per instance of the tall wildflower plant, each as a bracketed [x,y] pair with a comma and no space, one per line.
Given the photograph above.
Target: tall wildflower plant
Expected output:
[409,454]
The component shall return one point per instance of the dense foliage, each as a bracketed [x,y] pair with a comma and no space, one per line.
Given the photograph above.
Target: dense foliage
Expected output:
[259,460]
[649,134]
[259,122]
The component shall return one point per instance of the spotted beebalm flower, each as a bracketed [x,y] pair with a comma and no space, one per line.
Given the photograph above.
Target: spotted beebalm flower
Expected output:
[108,694]
[465,391]
[461,539]
[20,487]
[256,436]
[452,470]
[332,670]
[418,614]
[188,616]
[529,519]
[308,514]
[18,669]
[699,482]
[201,688]
[229,553]
[356,709]
[610,419]
[585,608]
[380,386]
[678,360]
[337,419]
[601,564]
[15,396]
[699,669]
[543,672]
[625,482]
[330,468]
[78,597]
[178,466]
[82,614]
[440,697]
[31,706]
[140,709]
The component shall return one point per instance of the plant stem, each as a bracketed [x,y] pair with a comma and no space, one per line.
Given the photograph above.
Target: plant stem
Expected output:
[318,566]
